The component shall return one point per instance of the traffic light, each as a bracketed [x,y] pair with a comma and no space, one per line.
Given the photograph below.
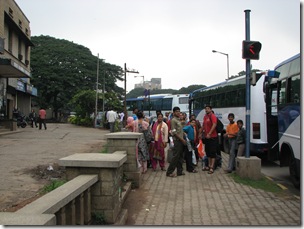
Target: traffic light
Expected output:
[251,50]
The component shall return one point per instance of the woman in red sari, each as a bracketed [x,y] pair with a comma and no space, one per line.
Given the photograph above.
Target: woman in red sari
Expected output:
[160,134]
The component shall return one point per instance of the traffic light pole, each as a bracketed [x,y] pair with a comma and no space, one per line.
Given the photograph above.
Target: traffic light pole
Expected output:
[247,29]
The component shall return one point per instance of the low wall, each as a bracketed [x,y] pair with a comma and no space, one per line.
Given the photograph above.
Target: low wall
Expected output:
[126,141]
[99,178]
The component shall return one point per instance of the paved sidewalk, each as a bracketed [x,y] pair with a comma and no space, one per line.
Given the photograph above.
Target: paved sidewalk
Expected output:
[210,199]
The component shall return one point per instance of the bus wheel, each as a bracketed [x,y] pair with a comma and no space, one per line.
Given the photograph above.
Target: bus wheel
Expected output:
[293,171]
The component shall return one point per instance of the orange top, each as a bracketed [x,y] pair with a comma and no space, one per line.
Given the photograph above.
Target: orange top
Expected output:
[232,130]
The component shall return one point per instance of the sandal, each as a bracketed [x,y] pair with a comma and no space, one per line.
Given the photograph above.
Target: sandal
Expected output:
[210,171]
[206,169]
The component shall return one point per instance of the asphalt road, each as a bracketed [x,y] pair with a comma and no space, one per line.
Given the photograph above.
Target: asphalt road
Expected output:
[28,148]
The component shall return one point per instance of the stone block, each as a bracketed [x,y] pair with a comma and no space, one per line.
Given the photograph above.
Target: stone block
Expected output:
[249,167]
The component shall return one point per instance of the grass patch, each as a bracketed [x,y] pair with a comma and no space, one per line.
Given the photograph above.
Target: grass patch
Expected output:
[55,184]
[104,149]
[263,183]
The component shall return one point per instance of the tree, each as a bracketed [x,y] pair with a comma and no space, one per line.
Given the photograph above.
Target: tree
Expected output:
[61,69]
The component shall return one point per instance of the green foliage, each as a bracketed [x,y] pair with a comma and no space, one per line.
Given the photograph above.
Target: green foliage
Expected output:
[84,103]
[263,183]
[60,69]
[98,218]
[55,184]
[77,120]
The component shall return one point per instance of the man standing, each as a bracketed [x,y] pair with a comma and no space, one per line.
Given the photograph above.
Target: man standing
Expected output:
[42,117]
[111,117]
[179,142]
[210,138]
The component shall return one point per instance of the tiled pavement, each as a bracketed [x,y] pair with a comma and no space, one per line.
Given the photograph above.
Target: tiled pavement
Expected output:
[211,200]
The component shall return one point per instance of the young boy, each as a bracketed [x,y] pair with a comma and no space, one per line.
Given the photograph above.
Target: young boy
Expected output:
[241,138]
[231,133]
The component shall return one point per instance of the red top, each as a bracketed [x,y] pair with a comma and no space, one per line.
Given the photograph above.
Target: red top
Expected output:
[209,119]
[42,114]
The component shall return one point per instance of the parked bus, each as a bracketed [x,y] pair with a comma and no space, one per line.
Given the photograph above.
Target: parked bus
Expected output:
[282,97]
[230,97]
[163,102]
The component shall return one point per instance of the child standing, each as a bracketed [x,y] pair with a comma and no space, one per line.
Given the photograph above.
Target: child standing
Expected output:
[231,133]
[241,138]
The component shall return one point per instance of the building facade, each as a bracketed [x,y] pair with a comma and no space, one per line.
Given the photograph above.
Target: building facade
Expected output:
[16,90]
[154,83]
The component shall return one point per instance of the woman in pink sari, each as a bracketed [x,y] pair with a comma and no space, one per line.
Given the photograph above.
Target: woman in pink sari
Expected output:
[160,134]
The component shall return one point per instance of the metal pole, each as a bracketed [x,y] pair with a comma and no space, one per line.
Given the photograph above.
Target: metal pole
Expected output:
[125,97]
[96,101]
[227,67]
[103,95]
[247,29]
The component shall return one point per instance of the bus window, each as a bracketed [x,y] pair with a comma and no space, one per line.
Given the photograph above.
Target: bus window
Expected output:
[295,89]
[282,92]
[183,100]
[167,104]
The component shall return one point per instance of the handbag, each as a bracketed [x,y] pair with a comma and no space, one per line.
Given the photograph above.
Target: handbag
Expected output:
[193,158]
[148,135]
[169,155]
[200,149]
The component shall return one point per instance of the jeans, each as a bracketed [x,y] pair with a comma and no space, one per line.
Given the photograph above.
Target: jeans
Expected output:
[232,145]
[111,127]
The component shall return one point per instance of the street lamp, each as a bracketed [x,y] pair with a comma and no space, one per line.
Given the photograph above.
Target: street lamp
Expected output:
[96,100]
[143,80]
[227,61]
[125,97]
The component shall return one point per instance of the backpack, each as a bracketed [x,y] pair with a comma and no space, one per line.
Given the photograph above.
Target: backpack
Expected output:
[219,125]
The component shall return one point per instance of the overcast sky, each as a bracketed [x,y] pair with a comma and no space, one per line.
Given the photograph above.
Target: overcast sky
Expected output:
[172,39]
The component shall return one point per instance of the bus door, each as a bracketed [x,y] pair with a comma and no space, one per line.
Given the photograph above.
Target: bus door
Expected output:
[272,121]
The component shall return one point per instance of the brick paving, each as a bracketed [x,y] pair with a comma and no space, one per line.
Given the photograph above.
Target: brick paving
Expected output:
[212,200]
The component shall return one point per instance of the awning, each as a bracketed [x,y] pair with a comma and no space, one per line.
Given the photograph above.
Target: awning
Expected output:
[11,69]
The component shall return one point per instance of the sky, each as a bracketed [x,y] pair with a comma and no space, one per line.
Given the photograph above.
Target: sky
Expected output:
[172,39]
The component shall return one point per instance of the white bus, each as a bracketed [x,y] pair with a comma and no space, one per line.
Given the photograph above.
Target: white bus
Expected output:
[163,102]
[230,97]
[282,97]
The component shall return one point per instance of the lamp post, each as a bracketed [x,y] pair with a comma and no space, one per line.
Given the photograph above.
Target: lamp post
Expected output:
[96,101]
[125,97]
[214,51]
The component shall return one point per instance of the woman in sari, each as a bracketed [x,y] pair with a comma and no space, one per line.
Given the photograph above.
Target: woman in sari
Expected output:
[140,126]
[160,134]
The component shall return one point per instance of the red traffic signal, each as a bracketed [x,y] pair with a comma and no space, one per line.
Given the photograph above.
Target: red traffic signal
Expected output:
[251,50]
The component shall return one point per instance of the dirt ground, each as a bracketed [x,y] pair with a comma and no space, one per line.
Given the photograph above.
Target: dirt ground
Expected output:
[45,174]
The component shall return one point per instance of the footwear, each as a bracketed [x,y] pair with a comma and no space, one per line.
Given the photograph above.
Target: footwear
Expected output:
[228,171]
[163,169]
[210,171]
[181,174]
[193,171]
[171,175]
[206,169]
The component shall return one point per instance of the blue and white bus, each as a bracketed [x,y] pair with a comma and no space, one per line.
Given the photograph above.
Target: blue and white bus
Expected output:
[230,97]
[162,102]
[283,109]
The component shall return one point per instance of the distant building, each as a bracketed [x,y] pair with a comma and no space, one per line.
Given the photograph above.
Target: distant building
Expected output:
[16,90]
[154,83]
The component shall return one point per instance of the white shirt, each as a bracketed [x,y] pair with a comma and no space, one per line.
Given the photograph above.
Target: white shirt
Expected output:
[111,116]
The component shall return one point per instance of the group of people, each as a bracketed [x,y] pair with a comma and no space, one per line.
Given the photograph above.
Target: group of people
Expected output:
[185,134]
[40,118]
